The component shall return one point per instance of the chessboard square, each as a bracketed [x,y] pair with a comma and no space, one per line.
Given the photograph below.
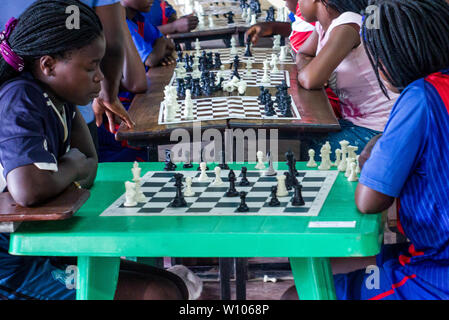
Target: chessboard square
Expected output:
[296,209]
[148,194]
[168,189]
[201,184]
[261,189]
[153,184]
[251,174]
[218,189]
[227,204]
[161,199]
[195,209]
[163,175]
[309,199]
[209,199]
[268,179]
[311,189]
[150,210]
[283,204]
[202,205]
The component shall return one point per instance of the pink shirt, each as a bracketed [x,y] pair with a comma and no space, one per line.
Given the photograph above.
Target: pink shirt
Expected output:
[355,83]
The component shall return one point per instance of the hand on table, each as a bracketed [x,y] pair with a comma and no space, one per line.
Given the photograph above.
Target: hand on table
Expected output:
[186,23]
[80,162]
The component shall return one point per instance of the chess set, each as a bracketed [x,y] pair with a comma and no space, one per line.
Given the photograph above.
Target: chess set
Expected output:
[224,192]
[222,108]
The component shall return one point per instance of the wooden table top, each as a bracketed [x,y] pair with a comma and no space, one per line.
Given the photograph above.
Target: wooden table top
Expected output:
[313,105]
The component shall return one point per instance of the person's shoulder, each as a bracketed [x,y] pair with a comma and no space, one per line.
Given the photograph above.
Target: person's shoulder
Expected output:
[347,18]
[20,93]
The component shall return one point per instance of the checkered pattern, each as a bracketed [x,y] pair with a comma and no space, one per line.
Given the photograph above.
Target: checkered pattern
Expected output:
[259,55]
[254,79]
[159,191]
[222,23]
[221,108]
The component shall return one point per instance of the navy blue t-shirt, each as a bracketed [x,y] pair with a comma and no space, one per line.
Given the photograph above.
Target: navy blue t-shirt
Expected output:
[32,130]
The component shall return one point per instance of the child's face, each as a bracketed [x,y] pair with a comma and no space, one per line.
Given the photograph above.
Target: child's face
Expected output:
[291,5]
[76,78]
[308,9]
[138,5]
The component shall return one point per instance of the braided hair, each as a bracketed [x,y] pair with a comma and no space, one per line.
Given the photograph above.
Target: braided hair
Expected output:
[341,6]
[409,41]
[41,30]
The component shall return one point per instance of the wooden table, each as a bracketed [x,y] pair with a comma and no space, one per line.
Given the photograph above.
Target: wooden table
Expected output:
[314,107]
[99,242]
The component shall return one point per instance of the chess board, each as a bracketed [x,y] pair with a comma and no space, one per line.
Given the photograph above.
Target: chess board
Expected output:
[222,23]
[254,79]
[259,55]
[226,107]
[209,200]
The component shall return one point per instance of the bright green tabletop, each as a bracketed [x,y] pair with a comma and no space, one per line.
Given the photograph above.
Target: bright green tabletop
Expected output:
[87,234]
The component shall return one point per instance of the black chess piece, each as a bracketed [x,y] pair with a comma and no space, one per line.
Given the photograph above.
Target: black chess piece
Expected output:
[243,206]
[169,165]
[288,181]
[187,164]
[236,62]
[291,163]
[244,181]
[274,202]
[235,72]
[178,201]
[223,165]
[270,15]
[269,109]
[248,48]
[230,17]
[217,61]
[232,192]
[297,199]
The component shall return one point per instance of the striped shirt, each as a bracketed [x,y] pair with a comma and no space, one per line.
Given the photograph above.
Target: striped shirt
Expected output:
[411,162]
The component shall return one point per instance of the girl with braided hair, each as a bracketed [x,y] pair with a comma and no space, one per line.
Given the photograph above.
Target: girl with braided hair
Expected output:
[46,69]
[334,56]
[407,43]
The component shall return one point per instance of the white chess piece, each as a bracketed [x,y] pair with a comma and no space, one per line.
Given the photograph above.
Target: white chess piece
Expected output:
[283,53]
[248,15]
[211,22]
[188,103]
[311,163]
[139,197]
[130,194]
[282,188]
[266,76]
[348,166]
[344,151]
[218,181]
[337,158]
[353,174]
[242,87]
[136,171]
[188,192]
[201,24]
[233,50]
[276,42]
[351,152]
[203,176]
[249,67]
[253,20]
[274,63]
[197,45]
[260,165]
[325,158]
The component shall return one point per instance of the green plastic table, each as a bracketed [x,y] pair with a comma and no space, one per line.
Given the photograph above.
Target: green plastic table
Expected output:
[99,242]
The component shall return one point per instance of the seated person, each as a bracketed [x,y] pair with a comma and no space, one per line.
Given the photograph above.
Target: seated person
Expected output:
[153,49]
[408,162]
[164,17]
[334,55]
[45,145]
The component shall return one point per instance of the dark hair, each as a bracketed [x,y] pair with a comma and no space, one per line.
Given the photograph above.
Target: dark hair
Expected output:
[41,30]
[409,41]
[341,6]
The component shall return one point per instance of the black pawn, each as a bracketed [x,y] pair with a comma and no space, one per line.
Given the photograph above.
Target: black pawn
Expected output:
[274,202]
[297,199]
[178,201]
[232,192]
[243,206]
[244,181]
[169,165]
[248,48]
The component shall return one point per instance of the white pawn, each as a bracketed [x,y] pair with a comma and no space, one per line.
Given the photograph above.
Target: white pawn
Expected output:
[265,77]
[283,53]
[217,181]
[249,66]
[260,165]
[353,175]
[203,176]
[337,158]
[130,194]
[234,50]
[311,163]
[282,188]
[188,192]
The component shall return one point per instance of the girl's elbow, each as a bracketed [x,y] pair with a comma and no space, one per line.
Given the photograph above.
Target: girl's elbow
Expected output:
[307,82]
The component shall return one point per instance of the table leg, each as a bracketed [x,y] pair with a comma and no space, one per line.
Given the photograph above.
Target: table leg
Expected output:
[242,39]
[97,278]
[241,276]
[313,278]
[225,265]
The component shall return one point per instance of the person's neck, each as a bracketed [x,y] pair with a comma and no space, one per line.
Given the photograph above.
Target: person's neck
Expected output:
[326,16]
[131,13]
